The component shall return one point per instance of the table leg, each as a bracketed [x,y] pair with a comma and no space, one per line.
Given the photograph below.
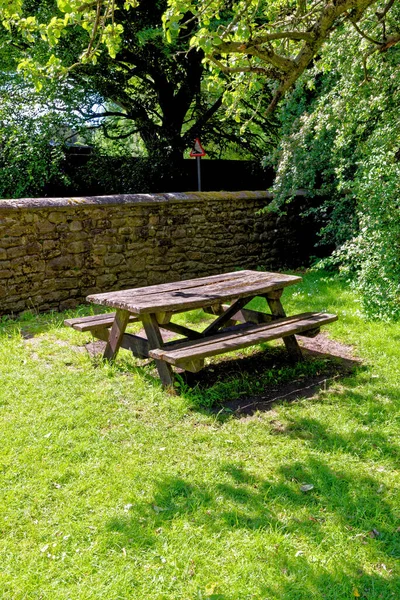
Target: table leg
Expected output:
[116,334]
[277,310]
[155,341]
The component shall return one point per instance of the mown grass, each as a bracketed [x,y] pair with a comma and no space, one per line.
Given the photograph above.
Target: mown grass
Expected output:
[113,489]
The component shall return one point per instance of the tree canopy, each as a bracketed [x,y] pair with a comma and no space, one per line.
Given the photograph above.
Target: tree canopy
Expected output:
[278,40]
[274,39]
[148,59]
[144,85]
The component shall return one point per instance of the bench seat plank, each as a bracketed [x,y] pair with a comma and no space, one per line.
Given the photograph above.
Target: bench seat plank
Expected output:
[252,316]
[226,341]
[94,322]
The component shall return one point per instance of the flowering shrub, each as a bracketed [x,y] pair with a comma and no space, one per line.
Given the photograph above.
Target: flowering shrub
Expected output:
[341,140]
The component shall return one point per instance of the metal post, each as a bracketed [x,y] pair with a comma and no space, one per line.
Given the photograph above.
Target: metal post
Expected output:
[198,158]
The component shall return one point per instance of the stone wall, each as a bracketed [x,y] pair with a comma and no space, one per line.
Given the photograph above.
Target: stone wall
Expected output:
[56,251]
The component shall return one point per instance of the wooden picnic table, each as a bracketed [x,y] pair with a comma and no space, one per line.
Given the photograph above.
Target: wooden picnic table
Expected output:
[225,296]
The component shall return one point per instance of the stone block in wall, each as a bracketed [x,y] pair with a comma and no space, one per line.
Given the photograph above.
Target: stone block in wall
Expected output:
[16,252]
[57,217]
[61,263]
[8,241]
[107,280]
[75,226]
[113,259]
[44,227]
[78,247]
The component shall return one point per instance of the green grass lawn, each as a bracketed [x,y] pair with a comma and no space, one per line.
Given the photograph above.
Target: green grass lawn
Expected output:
[113,489]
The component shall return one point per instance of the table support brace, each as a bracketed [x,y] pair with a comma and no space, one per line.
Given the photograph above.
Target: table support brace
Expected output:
[116,334]
[155,341]
[290,341]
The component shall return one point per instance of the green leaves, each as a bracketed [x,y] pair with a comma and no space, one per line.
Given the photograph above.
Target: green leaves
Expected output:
[112,37]
[97,19]
[341,142]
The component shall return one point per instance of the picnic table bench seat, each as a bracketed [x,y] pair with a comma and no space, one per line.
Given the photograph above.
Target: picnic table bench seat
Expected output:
[93,322]
[190,354]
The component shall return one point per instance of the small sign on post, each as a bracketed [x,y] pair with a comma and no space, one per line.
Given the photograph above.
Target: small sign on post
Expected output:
[197,152]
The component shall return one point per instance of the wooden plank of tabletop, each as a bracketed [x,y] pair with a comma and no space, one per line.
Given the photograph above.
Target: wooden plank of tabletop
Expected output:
[194,293]
[168,287]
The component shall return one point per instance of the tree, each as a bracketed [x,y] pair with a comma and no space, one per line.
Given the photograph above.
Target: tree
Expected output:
[32,130]
[262,37]
[145,85]
[277,41]
[341,141]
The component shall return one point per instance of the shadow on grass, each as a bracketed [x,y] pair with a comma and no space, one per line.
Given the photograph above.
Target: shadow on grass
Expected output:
[357,442]
[253,383]
[239,500]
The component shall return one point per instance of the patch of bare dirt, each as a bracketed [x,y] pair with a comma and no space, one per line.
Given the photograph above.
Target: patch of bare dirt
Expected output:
[95,348]
[30,340]
[33,342]
[323,344]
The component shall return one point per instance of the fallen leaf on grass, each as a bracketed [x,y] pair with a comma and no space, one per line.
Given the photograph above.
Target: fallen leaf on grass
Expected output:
[374,533]
[356,593]
[306,487]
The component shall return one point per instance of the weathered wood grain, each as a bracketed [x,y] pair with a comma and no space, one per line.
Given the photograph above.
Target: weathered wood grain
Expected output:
[95,322]
[226,341]
[176,285]
[155,341]
[116,334]
[195,293]
[247,315]
[290,341]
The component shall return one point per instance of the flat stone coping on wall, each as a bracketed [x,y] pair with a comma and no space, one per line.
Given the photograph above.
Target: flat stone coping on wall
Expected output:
[142,199]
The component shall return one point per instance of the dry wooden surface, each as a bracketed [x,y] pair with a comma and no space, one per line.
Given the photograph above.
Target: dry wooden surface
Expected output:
[194,293]
[94,322]
[226,341]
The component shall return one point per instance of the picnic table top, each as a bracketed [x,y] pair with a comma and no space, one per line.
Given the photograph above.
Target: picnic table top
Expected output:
[194,293]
